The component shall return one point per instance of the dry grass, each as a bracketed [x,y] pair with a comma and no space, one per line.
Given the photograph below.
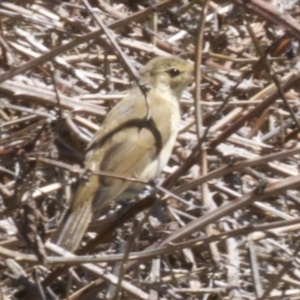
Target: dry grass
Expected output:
[226,221]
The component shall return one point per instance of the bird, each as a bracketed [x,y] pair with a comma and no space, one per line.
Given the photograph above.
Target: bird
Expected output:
[135,140]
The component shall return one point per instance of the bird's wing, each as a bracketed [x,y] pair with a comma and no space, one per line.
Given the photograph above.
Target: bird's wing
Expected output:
[128,145]
[128,153]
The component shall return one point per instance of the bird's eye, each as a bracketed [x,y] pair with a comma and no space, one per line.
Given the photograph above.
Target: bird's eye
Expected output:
[174,72]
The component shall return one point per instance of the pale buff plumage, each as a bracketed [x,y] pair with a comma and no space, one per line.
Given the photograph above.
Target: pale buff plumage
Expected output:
[129,144]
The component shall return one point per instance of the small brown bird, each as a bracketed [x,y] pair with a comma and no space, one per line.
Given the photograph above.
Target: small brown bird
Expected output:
[135,140]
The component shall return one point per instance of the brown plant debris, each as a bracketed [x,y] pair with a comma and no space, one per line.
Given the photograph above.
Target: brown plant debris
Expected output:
[225,220]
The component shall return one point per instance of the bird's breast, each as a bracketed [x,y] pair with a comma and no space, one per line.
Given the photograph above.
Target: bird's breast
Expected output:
[168,127]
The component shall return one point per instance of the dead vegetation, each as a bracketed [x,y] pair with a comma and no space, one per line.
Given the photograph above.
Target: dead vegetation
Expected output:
[225,224]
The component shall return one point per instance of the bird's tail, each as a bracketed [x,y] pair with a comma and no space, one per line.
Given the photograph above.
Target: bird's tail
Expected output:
[73,226]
